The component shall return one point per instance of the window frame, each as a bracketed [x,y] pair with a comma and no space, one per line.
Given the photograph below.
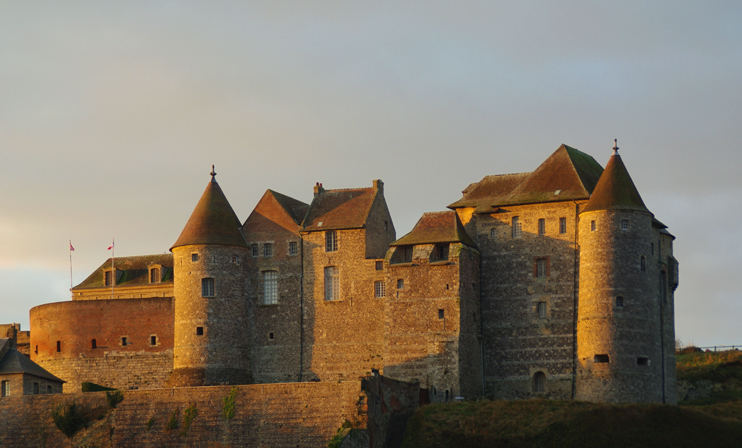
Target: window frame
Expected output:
[155,275]
[332,284]
[542,226]
[331,241]
[625,225]
[255,250]
[517,229]
[208,287]
[5,388]
[541,310]
[379,289]
[539,382]
[562,226]
[268,250]
[270,287]
[293,248]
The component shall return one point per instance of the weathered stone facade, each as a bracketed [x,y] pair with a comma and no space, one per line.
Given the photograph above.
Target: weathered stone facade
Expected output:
[511,294]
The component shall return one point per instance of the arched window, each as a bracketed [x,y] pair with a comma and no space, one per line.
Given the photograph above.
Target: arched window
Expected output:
[270,287]
[539,382]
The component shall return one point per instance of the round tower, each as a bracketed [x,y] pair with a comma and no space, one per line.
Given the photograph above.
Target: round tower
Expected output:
[619,329]
[211,335]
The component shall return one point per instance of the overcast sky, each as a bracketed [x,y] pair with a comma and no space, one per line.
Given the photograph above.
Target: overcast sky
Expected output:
[111,114]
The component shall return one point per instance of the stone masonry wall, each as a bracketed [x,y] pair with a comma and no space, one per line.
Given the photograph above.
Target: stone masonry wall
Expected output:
[518,343]
[268,415]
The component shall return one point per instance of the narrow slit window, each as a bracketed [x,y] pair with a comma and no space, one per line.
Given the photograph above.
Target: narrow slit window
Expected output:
[441,314]
[541,307]
[539,382]
[93,344]
[562,225]
[593,226]
[5,389]
[542,226]
[59,346]
[153,340]
[643,263]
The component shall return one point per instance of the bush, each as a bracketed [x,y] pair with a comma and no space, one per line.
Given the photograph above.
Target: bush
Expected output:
[70,418]
[229,403]
[173,422]
[190,413]
[114,398]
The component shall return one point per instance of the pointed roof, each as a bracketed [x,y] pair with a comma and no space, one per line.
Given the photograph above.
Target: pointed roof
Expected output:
[294,207]
[135,271]
[212,222]
[566,175]
[341,209]
[274,212]
[615,190]
[489,191]
[16,362]
[437,227]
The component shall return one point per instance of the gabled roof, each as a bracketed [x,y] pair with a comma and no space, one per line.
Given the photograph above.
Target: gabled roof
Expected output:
[16,362]
[339,209]
[212,222]
[566,175]
[135,271]
[437,227]
[274,212]
[615,190]
[489,191]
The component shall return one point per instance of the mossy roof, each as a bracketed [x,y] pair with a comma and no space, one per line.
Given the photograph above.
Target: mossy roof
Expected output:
[437,227]
[212,222]
[567,174]
[615,190]
[340,209]
[16,362]
[135,271]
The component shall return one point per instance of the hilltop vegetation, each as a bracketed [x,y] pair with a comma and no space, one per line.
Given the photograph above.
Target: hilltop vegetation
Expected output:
[715,420]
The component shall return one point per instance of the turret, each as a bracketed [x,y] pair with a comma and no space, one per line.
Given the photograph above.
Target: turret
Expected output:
[620,331]
[211,335]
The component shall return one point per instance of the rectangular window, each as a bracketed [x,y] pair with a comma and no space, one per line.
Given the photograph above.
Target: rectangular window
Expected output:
[108,276]
[440,252]
[379,289]
[541,267]
[541,310]
[293,248]
[562,225]
[235,259]
[331,241]
[619,302]
[270,288]
[441,314]
[35,388]
[516,227]
[94,344]
[379,265]
[601,359]
[153,340]
[5,389]
[194,257]
[593,226]
[207,287]
[332,283]
[542,226]
[123,341]
[493,233]
[268,250]
[59,346]
[400,283]
[624,224]
[154,275]
[48,389]
[255,249]
[199,331]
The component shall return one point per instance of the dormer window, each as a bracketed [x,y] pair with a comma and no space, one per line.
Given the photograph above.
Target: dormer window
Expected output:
[440,252]
[402,254]
[110,277]
[155,274]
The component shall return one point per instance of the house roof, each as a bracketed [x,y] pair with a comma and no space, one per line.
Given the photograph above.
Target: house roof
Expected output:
[274,212]
[437,227]
[615,190]
[339,209]
[294,207]
[567,174]
[135,271]
[212,222]
[16,362]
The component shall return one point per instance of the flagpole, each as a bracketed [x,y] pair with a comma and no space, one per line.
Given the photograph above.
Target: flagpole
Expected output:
[70,265]
[113,268]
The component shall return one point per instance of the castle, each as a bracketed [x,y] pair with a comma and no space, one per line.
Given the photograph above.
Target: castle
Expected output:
[557,283]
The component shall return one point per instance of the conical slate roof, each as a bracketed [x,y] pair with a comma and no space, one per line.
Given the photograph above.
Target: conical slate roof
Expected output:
[615,189]
[212,222]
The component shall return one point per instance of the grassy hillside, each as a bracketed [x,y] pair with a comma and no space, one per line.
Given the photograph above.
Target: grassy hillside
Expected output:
[715,420]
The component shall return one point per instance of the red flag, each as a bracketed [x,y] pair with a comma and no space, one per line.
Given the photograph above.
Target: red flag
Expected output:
[71,248]
[111,246]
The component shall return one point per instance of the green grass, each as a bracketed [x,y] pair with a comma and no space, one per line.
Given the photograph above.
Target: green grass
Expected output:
[717,367]
[553,424]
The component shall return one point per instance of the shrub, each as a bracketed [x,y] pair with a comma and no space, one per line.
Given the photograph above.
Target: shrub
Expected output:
[114,398]
[229,403]
[173,422]
[150,422]
[70,418]
[190,413]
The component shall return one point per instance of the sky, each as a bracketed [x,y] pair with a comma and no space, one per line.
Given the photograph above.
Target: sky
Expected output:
[112,113]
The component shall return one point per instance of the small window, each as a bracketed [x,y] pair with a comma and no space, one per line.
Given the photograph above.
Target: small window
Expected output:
[124,342]
[207,287]
[255,250]
[93,344]
[516,227]
[541,307]
[541,268]
[153,341]
[48,389]
[643,263]
[36,350]
[619,302]
[154,275]
[293,248]
[235,259]
[270,287]
[493,233]
[268,250]
[194,257]
[539,382]
[441,314]
[562,225]
[270,336]
[652,249]
[642,361]
[332,283]
[5,389]
[199,331]
[440,252]
[386,225]
[331,241]
[379,265]
[107,278]
[542,226]
[35,388]
[59,346]
[624,224]
[593,226]
[601,359]
[400,283]
[379,289]
[406,253]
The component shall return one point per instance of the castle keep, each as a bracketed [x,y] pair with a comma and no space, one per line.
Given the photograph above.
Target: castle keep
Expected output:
[557,283]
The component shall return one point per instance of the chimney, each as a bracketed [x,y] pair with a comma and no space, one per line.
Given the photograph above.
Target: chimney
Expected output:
[379,185]
[318,189]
